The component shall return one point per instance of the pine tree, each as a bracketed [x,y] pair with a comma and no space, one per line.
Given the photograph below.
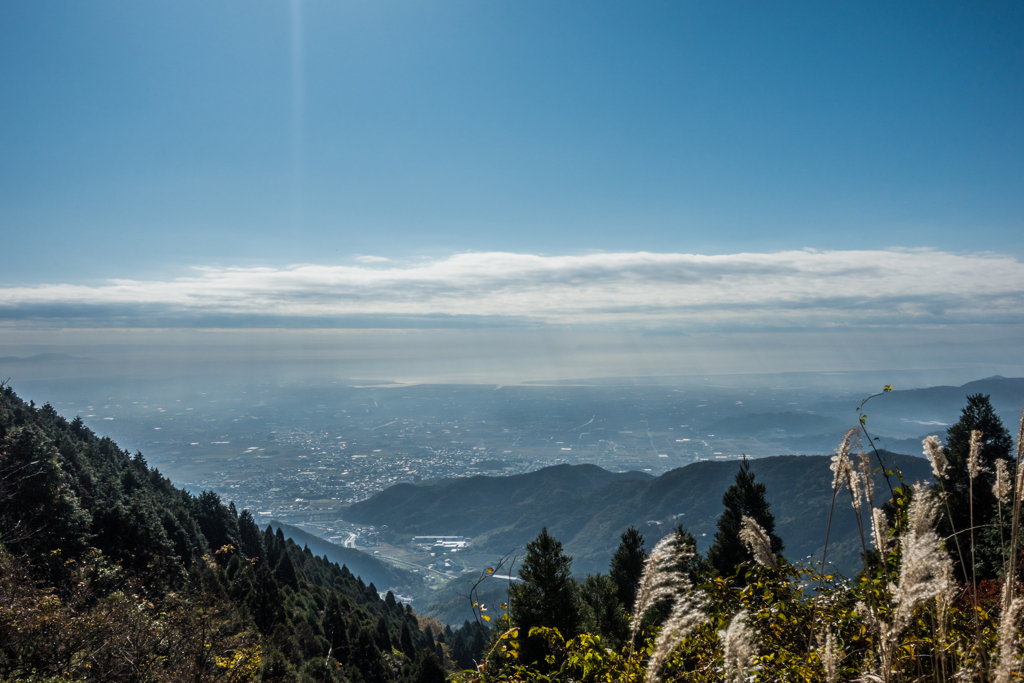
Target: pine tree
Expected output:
[743,498]
[545,596]
[978,415]
[428,668]
[366,658]
[264,601]
[603,614]
[405,641]
[336,628]
[249,536]
[627,566]
[382,636]
[285,570]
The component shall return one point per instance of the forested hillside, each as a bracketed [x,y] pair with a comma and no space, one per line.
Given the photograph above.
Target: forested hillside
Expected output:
[588,510]
[367,567]
[108,571]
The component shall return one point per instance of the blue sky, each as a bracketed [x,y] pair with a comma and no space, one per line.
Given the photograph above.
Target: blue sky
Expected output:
[177,144]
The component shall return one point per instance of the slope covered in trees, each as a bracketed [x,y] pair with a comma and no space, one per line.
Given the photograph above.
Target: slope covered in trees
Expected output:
[109,571]
[368,567]
[589,518]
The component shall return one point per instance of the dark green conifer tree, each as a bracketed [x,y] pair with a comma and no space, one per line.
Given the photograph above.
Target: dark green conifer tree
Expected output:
[271,546]
[406,641]
[428,668]
[545,596]
[335,628]
[249,536]
[365,658]
[382,636]
[219,526]
[627,566]
[978,415]
[602,613]
[264,601]
[746,497]
[285,570]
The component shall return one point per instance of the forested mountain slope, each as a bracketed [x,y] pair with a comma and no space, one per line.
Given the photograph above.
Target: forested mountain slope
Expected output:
[501,513]
[365,566]
[107,571]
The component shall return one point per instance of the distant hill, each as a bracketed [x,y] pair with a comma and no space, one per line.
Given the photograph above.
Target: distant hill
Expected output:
[366,567]
[588,508]
[42,358]
[941,403]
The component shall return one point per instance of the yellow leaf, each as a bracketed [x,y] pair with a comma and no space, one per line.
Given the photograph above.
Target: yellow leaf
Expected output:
[486,618]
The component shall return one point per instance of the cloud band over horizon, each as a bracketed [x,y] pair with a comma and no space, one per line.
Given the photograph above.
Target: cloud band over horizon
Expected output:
[637,289]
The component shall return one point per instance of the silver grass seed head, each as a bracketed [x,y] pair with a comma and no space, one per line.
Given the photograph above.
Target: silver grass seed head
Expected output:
[1002,487]
[866,478]
[1008,642]
[661,579]
[829,660]
[936,455]
[880,530]
[738,648]
[925,568]
[758,543]
[841,465]
[687,614]
[974,467]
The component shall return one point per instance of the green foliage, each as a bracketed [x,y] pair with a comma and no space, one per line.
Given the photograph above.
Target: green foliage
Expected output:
[546,593]
[601,612]
[979,415]
[745,498]
[627,565]
[903,618]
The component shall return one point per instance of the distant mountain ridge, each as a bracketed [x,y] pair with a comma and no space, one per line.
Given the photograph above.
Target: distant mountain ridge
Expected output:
[42,358]
[587,508]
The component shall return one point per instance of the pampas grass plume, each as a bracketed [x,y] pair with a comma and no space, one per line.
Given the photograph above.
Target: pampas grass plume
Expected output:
[933,451]
[880,530]
[829,660]
[974,467]
[1008,642]
[738,648]
[758,543]
[925,568]
[1002,487]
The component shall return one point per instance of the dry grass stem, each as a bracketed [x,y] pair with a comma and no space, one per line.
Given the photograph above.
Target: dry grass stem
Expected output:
[925,569]
[844,471]
[880,530]
[687,614]
[1002,487]
[738,648]
[758,543]
[974,467]
[936,456]
[661,579]
[1008,642]
[829,659]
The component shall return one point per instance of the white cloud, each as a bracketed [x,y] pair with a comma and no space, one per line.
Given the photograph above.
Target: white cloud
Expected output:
[372,259]
[648,289]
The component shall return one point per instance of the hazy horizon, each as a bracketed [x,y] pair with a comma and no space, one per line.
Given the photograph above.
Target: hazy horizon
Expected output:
[515,191]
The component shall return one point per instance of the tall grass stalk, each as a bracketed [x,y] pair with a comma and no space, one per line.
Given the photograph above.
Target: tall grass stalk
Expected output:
[1018,493]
